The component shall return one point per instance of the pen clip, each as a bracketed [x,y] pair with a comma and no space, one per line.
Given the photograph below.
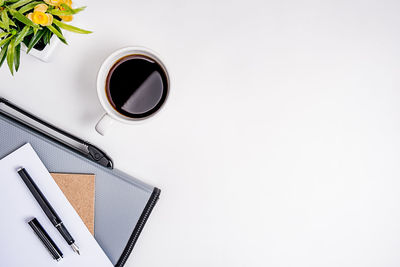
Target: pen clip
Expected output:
[85,148]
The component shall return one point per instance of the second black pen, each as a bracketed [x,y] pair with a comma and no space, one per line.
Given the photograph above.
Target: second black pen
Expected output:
[47,208]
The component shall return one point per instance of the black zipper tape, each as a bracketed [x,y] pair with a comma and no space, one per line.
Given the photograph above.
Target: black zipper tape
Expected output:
[139,227]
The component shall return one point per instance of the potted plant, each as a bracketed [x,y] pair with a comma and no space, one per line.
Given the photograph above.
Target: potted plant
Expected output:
[33,23]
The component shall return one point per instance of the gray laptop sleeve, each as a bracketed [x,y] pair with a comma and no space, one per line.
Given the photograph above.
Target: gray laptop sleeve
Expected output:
[122,203]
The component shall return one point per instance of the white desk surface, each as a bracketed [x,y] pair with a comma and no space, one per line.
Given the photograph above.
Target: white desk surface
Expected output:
[280,144]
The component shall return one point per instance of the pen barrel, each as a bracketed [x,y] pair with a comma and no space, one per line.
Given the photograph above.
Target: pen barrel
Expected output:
[46,239]
[64,232]
[40,198]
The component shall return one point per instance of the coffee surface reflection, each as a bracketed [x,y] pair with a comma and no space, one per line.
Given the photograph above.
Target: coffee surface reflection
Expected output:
[136,86]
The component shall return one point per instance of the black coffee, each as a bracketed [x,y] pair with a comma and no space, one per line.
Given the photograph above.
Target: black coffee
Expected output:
[136,86]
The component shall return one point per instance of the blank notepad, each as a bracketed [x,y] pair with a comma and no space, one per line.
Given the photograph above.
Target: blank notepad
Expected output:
[19,245]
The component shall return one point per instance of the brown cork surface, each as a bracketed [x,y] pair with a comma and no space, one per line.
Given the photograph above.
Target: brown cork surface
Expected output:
[79,190]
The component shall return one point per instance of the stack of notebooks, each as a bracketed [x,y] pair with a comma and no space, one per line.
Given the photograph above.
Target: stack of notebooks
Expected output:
[21,206]
[108,209]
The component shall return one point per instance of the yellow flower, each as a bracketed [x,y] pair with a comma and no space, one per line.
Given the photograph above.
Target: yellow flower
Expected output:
[67,2]
[67,18]
[29,16]
[54,2]
[41,8]
[41,18]
[39,15]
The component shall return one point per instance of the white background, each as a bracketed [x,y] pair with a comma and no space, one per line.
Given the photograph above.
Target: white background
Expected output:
[280,143]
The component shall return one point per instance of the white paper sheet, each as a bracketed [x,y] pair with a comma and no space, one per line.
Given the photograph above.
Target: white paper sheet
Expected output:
[19,245]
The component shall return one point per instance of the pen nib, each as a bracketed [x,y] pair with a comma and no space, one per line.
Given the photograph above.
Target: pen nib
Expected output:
[75,248]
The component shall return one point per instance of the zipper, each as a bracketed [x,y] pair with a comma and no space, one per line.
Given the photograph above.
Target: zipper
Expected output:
[91,152]
[139,227]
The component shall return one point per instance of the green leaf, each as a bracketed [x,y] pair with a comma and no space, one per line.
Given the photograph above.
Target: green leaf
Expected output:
[17,56]
[56,32]
[21,35]
[73,10]
[3,52]
[10,56]
[11,22]
[28,7]
[30,31]
[70,28]
[20,3]
[4,41]
[35,39]
[1,2]
[18,15]
[3,34]
[55,26]
[47,36]
[67,10]
[5,20]
[2,25]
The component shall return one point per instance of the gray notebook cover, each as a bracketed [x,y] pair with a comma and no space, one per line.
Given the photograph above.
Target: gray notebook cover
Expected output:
[122,203]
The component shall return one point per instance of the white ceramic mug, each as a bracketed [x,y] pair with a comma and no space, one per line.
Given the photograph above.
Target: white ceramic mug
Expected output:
[112,114]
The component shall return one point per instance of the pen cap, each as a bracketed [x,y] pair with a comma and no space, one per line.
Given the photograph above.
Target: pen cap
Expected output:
[46,239]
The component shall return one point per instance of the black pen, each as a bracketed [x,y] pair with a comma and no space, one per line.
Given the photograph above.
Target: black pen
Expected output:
[47,208]
[46,239]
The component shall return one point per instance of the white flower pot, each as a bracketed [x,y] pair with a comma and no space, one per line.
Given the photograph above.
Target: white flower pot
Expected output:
[47,52]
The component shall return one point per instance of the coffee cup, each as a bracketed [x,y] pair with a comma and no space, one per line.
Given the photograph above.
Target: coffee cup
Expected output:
[132,85]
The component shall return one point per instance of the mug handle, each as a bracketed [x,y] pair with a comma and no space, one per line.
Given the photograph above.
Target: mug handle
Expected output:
[104,124]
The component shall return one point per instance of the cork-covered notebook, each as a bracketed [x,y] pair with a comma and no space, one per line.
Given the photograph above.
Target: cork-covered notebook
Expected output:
[79,189]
